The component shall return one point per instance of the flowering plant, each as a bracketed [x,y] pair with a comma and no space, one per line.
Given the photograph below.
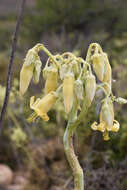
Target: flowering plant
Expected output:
[73,80]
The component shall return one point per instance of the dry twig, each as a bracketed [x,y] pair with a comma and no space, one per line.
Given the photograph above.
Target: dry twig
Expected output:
[10,66]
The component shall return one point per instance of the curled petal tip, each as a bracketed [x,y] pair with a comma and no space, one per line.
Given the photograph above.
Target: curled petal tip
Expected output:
[94,126]
[101,127]
[115,127]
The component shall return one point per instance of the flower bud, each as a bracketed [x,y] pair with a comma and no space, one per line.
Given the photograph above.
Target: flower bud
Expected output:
[51,75]
[78,88]
[90,87]
[42,106]
[37,70]
[107,114]
[68,92]
[98,65]
[75,68]
[25,77]
[121,100]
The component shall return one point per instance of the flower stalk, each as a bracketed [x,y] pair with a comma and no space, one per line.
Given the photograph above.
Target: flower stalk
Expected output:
[73,122]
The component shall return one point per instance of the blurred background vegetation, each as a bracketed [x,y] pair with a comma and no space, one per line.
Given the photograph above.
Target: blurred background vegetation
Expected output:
[35,152]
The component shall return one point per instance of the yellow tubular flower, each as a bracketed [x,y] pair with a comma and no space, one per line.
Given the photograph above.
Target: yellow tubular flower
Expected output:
[104,128]
[98,65]
[90,88]
[107,114]
[107,73]
[25,77]
[68,92]
[51,80]
[42,106]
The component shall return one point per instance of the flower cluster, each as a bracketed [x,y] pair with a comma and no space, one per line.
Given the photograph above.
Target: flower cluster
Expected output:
[73,80]
[31,68]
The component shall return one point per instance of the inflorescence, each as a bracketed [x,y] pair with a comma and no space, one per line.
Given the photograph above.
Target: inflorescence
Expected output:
[72,79]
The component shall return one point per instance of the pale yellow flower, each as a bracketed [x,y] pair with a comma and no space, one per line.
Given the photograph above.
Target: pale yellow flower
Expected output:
[68,91]
[98,65]
[107,122]
[107,113]
[51,80]
[104,128]
[26,75]
[43,105]
[30,68]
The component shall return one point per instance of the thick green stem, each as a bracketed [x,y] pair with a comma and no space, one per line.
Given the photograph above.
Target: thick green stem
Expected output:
[69,149]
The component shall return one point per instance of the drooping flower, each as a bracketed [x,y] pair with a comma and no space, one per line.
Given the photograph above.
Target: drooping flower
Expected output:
[31,68]
[68,91]
[98,65]
[43,105]
[107,113]
[25,77]
[104,128]
[51,76]
[107,122]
